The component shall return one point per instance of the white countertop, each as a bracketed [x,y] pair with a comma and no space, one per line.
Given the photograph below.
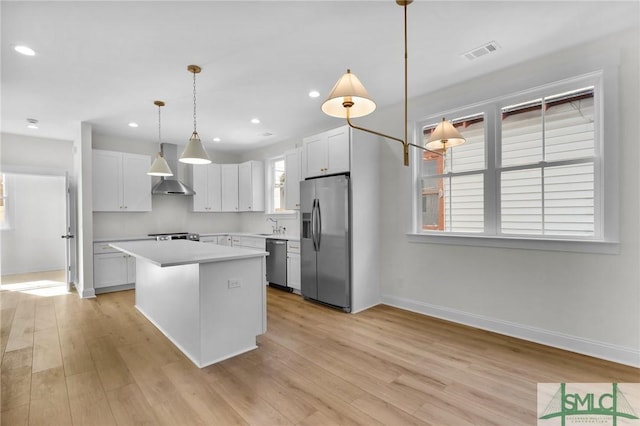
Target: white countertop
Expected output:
[182,252]
[251,234]
[207,234]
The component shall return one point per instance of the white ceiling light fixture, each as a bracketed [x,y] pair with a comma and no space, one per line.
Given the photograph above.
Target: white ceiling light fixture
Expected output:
[349,99]
[194,152]
[32,123]
[314,94]
[132,124]
[255,120]
[159,166]
[216,139]
[24,50]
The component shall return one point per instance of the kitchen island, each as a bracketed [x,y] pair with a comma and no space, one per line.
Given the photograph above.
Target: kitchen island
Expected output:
[209,300]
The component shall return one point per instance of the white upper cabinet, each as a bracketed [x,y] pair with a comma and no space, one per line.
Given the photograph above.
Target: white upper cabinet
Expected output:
[229,187]
[120,182]
[327,152]
[251,186]
[293,175]
[208,188]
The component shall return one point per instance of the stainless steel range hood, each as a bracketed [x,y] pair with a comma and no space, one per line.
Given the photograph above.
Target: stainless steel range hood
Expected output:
[171,185]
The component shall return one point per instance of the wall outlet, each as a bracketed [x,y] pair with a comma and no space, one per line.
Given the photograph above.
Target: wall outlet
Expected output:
[234,283]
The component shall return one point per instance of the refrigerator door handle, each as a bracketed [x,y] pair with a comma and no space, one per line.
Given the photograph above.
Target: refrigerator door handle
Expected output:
[319,218]
[313,224]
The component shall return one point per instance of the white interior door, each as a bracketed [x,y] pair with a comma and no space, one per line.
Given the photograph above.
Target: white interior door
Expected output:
[71,241]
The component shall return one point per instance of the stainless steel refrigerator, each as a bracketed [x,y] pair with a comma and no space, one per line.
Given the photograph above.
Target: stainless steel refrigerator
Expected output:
[325,240]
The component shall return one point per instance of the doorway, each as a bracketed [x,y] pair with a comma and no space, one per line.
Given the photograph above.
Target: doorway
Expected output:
[33,216]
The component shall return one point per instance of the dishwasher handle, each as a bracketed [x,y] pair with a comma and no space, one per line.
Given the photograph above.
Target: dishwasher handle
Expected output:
[276,242]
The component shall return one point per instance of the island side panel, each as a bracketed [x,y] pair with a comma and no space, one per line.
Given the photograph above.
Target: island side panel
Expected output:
[233,306]
[169,298]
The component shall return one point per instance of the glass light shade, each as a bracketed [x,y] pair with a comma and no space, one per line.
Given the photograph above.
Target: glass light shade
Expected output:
[444,136]
[348,89]
[160,167]
[194,152]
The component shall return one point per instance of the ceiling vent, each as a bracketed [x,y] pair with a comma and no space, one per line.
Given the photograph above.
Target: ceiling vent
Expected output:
[483,50]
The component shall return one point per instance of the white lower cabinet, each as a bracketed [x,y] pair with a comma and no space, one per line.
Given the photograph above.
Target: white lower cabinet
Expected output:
[248,242]
[293,265]
[112,269]
[210,240]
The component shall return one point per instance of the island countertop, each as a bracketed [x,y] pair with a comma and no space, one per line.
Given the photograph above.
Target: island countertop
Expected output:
[182,252]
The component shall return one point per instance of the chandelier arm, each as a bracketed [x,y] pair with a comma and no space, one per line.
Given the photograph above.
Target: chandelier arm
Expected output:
[426,149]
[373,131]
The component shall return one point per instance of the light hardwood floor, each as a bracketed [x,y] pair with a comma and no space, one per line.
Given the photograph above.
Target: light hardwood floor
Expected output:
[99,362]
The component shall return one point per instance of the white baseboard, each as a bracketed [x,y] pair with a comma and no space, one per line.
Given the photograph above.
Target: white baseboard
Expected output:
[88,293]
[602,350]
[31,269]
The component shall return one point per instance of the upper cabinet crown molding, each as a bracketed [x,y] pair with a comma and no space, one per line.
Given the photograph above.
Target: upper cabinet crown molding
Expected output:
[120,182]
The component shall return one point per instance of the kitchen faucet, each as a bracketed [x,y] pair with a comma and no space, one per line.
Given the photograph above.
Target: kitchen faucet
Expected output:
[276,229]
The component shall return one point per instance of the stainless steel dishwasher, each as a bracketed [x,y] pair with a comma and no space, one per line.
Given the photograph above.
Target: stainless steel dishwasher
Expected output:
[277,264]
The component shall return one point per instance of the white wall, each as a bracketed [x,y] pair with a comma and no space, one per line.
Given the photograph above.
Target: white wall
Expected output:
[38,219]
[34,154]
[589,303]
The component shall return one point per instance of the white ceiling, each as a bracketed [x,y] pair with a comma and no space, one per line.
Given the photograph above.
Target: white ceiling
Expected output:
[106,62]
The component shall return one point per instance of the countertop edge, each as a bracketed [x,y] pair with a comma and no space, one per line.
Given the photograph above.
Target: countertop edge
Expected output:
[248,253]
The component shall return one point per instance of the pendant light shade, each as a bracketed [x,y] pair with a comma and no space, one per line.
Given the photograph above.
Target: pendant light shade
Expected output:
[444,136]
[348,93]
[194,152]
[159,167]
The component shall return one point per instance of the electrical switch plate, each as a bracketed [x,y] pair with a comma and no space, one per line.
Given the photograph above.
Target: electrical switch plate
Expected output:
[234,283]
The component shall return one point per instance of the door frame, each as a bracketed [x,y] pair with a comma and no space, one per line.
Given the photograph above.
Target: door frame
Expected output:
[71,255]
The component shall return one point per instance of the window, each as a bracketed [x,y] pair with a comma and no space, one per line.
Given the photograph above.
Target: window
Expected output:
[276,175]
[530,168]
[547,172]
[6,211]
[453,184]
[3,201]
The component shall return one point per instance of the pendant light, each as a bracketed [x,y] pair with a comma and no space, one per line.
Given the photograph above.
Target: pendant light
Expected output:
[194,152]
[444,136]
[159,166]
[349,99]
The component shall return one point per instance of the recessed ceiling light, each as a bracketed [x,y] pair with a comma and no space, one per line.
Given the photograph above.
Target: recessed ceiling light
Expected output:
[132,124]
[255,120]
[32,123]
[25,50]
[216,139]
[314,94]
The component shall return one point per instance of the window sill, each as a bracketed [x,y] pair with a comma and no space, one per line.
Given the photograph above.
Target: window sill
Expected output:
[577,246]
[283,215]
